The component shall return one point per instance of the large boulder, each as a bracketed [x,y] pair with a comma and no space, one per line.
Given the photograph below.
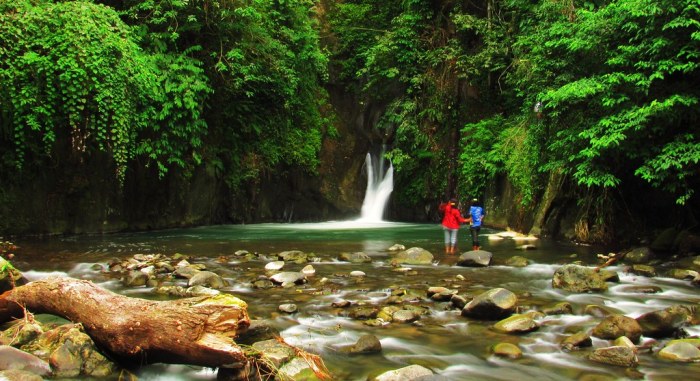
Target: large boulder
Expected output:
[494,304]
[639,255]
[475,258]
[576,278]
[615,326]
[413,256]
[663,323]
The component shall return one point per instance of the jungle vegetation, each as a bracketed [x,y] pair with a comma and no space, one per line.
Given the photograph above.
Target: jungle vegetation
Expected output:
[598,96]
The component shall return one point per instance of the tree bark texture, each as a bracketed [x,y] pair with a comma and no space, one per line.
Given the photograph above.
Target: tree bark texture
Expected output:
[198,331]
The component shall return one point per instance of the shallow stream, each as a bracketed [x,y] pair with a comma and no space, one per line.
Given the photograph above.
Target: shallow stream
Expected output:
[454,347]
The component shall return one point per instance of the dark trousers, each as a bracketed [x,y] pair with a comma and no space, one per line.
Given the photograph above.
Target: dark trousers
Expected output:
[475,234]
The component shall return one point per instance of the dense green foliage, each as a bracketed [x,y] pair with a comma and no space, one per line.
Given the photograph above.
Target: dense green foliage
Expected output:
[234,83]
[265,66]
[237,88]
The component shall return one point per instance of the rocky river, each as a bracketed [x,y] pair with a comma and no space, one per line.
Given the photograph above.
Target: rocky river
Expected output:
[357,296]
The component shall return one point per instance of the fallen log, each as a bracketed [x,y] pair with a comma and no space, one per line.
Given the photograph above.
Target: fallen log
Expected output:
[197,331]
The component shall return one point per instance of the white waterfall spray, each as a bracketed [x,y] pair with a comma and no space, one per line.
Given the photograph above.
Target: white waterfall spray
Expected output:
[380,184]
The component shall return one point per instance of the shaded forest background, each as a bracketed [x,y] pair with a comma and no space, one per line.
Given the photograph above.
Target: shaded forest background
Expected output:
[569,118]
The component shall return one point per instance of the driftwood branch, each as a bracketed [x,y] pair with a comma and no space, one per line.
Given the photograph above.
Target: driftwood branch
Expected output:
[198,331]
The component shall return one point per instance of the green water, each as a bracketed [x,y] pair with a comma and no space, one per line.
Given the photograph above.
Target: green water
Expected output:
[454,347]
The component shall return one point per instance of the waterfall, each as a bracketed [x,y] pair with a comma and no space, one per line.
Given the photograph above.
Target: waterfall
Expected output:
[380,184]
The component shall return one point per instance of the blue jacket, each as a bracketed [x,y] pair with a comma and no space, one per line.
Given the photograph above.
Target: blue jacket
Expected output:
[477,214]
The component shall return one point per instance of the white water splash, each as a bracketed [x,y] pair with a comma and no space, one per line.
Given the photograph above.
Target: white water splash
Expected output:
[380,184]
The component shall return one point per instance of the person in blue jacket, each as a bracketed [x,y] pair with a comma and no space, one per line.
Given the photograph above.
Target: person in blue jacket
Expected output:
[476,214]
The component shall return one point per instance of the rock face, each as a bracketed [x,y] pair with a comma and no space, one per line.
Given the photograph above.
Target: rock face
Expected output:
[491,305]
[576,278]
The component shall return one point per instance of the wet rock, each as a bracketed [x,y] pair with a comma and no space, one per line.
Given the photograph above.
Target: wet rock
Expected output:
[609,276]
[623,341]
[295,256]
[357,274]
[577,340]
[259,330]
[615,326]
[441,294]
[662,323]
[599,311]
[341,304]
[185,271]
[21,332]
[275,352]
[517,261]
[308,270]
[201,291]
[459,301]
[364,313]
[409,373]
[642,289]
[639,255]
[516,324]
[208,279]
[397,247]
[12,358]
[19,375]
[405,316]
[263,284]
[644,270]
[358,257]
[297,369]
[682,274]
[579,279]
[491,305]
[562,308]
[171,290]
[387,313]
[413,256]
[71,352]
[364,345]
[619,356]
[288,277]
[289,308]
[135,278]
[475,258]
[680,351]
[274,266]
[507,350]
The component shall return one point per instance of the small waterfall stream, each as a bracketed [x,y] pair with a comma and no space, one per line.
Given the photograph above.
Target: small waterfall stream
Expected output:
[380,184]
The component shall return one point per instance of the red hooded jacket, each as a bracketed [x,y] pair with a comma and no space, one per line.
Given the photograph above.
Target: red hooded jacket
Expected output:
[452,218]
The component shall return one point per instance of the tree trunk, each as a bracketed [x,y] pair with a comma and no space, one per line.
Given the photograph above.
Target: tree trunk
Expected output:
[197,331]
[550,193]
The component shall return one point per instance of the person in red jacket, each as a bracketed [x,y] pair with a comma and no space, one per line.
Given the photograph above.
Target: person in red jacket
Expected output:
[451,220]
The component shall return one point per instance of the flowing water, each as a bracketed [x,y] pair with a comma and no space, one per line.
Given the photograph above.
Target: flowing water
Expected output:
[454,347]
